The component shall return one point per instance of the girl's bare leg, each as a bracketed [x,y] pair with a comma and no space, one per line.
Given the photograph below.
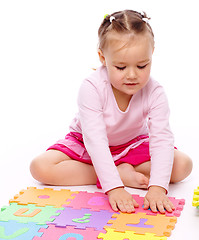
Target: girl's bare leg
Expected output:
[182,167]
[55,168]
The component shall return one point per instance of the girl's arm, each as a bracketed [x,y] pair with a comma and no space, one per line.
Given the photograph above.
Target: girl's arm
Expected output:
[95,136]
[97,145]
[161,142]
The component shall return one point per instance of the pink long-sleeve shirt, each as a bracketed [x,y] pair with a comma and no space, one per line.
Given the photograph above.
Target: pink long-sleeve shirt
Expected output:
[103,124]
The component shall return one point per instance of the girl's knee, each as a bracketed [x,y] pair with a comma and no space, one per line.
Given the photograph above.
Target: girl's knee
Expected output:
[34,168]
[187,165]
[38,170]
[182,167]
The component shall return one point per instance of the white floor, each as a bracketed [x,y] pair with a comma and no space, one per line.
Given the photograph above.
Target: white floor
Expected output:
[48,47]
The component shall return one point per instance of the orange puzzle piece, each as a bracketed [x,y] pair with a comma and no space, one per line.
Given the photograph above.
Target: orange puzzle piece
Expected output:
[44,197]
[141,223]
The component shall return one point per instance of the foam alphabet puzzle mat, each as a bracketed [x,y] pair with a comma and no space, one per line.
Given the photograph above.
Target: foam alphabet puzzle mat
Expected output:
[49,214]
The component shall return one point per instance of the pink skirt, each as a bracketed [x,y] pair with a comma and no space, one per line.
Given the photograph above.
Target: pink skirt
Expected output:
[134,152]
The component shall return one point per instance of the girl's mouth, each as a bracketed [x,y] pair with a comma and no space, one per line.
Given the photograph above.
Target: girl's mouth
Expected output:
[131,84]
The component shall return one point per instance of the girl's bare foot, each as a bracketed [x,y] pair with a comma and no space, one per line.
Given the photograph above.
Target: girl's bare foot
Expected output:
[131,178]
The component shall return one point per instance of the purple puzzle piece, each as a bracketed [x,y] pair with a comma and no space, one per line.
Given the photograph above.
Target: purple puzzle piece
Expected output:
[82,218]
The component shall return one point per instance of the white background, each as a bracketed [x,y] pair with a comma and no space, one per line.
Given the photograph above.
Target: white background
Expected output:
[48,47]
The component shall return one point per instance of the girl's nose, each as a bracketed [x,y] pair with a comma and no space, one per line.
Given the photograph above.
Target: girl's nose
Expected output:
[131,74]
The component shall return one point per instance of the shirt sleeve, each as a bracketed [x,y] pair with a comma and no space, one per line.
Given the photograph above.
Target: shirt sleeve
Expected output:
[161,141]
[95,136]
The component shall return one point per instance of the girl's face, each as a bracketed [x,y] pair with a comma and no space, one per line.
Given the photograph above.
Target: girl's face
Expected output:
[128,60]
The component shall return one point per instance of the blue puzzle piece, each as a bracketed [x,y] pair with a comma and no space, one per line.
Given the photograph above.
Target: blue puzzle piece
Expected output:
[19,231]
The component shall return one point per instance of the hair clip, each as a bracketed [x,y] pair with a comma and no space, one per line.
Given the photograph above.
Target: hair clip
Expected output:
[111,19]
[105,15]
[145,19]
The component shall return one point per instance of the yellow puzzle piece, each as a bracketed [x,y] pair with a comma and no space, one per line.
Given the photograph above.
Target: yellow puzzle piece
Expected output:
[195,202]
[111,234]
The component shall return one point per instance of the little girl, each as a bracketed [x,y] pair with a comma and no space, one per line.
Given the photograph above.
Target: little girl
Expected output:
[121,135]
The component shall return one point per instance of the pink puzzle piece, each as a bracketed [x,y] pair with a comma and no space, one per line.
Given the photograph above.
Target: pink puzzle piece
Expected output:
[59,233]
[99,201]
[95,201]
[178,204]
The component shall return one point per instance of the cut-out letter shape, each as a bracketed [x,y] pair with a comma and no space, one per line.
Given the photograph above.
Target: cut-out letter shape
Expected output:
[20,212]
[71,235]
[14,235]
[85,219]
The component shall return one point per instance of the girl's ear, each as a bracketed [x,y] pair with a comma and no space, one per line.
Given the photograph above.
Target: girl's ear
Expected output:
[101,57]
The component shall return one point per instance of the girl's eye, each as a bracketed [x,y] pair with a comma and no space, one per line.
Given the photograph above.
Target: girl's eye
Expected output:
[141,67]
[120,68]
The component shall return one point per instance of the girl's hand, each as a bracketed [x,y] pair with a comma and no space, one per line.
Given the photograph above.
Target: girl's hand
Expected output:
[157,199]
[121,200]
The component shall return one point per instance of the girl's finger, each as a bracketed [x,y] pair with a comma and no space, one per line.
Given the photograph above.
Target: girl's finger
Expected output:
[130,207]
[153,206]
[135,204]
[168,206]
[160,207]
[114,206]
[146,204]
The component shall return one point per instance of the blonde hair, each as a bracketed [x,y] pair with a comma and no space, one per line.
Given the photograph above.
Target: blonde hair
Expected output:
[126,21]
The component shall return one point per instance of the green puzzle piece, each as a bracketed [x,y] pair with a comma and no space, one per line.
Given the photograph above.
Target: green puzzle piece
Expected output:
[28,213]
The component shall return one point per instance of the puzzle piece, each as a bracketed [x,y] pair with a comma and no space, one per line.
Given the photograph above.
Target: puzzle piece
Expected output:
[28,213]
[94,201]
[195,202]
[178,204]
[160,225]
[19,231]
[44,197]
[99,201]
[128,235]
[82,218]
[62,233]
